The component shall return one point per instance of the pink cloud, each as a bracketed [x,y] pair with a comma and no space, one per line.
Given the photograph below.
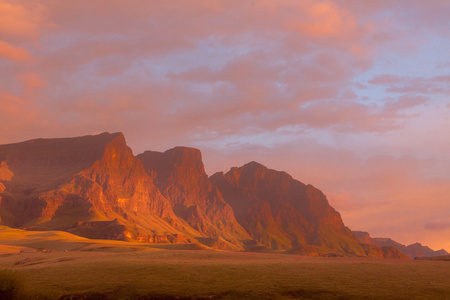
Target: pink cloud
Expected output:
[437,225]
[411,85]
[324,19]
[405,102]
[282,82]
[387,79]
[14,53]
[18,115]
[261,85]
[31,81]
[21,21]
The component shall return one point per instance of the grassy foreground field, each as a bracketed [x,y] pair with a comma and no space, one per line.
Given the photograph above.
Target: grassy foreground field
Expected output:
[208,274]
[79,268]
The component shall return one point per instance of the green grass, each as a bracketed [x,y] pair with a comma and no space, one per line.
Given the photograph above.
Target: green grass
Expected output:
[211,274]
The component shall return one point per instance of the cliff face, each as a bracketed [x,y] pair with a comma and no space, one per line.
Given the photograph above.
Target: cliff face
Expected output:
[37,166]
[58,183]
[282,213]
[180,176]
[364,237]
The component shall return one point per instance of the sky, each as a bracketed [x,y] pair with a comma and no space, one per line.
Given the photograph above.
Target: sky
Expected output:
[350,96]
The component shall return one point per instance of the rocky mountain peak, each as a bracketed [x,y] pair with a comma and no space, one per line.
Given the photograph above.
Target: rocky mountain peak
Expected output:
[278,211]
[88,180]
[180,176]
[181,166]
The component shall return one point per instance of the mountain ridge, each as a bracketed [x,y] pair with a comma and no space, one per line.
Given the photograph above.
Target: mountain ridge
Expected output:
[95,187]
[282,213]
[62,183]
[415,250]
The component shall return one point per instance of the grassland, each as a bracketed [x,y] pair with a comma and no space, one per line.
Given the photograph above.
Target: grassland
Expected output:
[436,258]
[101,271]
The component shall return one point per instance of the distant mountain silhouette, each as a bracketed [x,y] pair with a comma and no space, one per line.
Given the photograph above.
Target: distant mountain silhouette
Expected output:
[413,250]
[93,186]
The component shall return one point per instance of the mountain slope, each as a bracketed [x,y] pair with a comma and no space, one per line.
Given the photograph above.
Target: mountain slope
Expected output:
[280,212]
[92,186]
[180,176]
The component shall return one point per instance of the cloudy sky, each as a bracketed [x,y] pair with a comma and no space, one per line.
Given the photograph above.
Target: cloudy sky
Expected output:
[350,96]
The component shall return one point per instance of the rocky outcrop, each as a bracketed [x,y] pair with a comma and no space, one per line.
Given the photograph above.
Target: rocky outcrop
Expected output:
[5,172]
[282,213]
[364,237]
[180,176]
[58,182]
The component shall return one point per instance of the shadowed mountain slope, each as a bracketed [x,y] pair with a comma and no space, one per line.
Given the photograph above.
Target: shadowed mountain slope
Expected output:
[92,186]
[180,176]
[283,213]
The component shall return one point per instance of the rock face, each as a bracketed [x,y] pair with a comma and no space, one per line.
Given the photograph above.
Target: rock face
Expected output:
[55,183]
[180,176]
[282,213]
[415,250]
[364,237]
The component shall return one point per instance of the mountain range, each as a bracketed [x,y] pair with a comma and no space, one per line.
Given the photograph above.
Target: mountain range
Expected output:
[415,250]
[93,186]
